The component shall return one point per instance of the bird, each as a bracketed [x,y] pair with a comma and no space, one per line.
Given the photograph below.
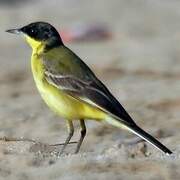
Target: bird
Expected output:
[71,89]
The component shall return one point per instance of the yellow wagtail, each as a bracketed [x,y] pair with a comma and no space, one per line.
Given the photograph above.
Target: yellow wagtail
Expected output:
[70,88]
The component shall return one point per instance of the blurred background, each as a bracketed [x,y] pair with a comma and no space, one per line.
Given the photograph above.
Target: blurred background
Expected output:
[134,48]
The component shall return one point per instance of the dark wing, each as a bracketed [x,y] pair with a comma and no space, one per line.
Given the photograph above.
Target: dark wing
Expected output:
[88,89]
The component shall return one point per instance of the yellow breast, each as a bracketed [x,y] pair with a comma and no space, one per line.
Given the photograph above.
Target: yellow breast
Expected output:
[60,102]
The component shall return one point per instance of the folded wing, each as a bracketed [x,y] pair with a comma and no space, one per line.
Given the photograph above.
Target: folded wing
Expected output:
[81,83]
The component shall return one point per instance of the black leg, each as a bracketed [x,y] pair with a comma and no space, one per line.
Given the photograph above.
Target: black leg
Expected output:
[71,132]
[83,134]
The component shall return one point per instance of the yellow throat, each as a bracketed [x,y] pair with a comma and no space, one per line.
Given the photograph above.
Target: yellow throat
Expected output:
[37,46]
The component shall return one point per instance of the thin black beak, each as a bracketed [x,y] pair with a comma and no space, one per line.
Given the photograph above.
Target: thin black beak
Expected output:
[14,31]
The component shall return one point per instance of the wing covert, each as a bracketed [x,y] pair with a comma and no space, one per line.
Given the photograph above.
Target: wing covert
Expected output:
[81,83]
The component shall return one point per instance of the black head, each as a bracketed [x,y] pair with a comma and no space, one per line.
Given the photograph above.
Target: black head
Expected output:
[41,31]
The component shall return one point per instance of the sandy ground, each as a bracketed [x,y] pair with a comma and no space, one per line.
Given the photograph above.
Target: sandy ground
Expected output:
[140,64]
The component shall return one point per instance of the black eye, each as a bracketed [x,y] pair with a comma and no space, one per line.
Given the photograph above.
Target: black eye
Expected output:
[32,32]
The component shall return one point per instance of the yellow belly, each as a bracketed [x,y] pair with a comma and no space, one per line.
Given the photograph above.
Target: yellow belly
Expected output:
[60,102]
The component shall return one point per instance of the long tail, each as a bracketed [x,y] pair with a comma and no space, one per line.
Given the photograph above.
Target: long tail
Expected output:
[141,133]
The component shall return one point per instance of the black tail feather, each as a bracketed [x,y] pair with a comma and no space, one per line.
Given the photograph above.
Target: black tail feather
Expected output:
[147,137]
